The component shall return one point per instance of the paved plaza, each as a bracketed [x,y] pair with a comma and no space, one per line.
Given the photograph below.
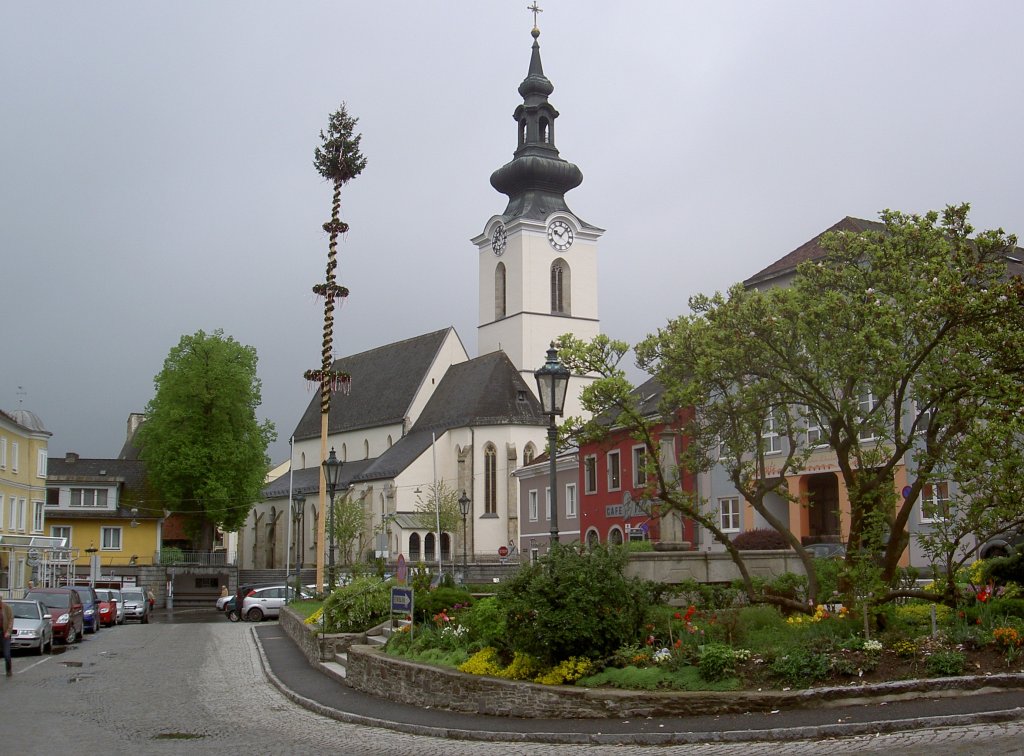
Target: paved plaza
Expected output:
[200,687]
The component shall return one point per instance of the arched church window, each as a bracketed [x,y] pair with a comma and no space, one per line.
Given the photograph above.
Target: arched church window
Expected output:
[428,548]
[615,537]
[560,287]
[414,547]
[446,547]
[499,291]
[544,131]
[522,132]
[529,453]
[303,467]
[344,453]
[490,479]
[366,449]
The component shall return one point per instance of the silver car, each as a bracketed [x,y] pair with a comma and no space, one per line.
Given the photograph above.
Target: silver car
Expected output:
[136,605]
[32,628]
[266,601]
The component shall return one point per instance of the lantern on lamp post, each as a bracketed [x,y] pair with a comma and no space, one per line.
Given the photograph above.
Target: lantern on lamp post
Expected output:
[298,509]
[552,385]
[332,475]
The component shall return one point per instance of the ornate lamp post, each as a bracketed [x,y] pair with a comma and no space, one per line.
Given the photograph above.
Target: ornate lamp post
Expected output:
[298,509]
[332,474]
[552,385]
[464,507]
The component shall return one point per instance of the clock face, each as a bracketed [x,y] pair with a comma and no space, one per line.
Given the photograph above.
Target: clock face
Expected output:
[498,240]
[560,235]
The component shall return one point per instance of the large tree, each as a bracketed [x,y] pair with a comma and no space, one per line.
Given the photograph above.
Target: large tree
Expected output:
[900,349]
[205,450]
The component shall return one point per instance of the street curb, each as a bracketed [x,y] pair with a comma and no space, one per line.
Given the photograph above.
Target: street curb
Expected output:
[662,738]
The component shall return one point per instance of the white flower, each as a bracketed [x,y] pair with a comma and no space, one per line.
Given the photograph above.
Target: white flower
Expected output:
[661,655]
[872,645]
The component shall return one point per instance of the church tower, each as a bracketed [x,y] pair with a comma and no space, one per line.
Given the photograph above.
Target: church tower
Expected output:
[538,259]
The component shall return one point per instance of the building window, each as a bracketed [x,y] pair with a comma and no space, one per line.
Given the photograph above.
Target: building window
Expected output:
[547,504]
[532,498]
[614,471]
[414,547]
[22,507]
[41,464]
[390,441]
[615,537]
[52,497]
[770,434]
[14,513]
[14,456]
[38,516]
[62,531]
[499,291]
[2,510]
[89,497]
[490,480]
[560,303]
[815,436]
[110,539]
[729,514]
[639,466]
[935,501]
[570,501]
[866,404]
[593,539]
[366,448]
[590,474]
[3,453]
[529,453]
[344,452]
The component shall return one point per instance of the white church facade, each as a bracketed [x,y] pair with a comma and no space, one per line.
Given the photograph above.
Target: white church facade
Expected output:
[422,413]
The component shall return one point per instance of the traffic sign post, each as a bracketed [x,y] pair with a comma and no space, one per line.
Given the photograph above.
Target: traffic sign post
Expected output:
[402,602]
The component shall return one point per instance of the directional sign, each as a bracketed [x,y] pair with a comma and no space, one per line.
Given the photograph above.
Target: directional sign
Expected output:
[401,600]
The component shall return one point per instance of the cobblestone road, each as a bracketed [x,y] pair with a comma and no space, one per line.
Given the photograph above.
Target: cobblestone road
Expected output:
[199,688]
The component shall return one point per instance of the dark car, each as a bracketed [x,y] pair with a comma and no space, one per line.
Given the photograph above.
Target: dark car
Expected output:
[90,607]
[65,609]
[1002,545]
[136,604]
[107,607]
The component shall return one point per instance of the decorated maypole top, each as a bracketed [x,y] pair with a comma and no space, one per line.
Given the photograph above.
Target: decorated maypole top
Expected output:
[339,160]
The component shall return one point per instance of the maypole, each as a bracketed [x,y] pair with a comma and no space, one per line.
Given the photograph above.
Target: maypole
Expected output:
[338,160]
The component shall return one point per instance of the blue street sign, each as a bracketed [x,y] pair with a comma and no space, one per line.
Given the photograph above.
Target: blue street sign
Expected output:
[401,600]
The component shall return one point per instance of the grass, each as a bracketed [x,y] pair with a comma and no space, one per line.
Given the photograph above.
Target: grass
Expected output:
[306,607]
[655,678]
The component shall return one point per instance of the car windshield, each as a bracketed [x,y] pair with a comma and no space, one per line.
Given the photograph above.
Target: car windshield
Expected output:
[26,609]
[84,596]
[102,595]
[51,600]
[133,596]
[115,595]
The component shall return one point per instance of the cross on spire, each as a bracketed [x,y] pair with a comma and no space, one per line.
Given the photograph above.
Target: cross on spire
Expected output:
[535,9]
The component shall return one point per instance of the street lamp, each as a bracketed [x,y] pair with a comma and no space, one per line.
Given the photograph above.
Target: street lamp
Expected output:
[464,506]
[332,474]
[552,385]
[298,509]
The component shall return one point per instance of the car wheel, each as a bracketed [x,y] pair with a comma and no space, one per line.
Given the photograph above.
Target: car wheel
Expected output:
[997,552]
[255,615]
[71,637]
[233,615]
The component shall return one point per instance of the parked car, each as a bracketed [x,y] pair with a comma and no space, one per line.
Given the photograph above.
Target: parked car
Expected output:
[136,605]
[1002,545]
[90,607]
[32,628]
[107,607]
[119,602]
[64,606]
[826,550]
[266,602]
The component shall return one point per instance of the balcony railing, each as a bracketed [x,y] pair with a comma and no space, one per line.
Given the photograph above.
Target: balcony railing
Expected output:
[199,558]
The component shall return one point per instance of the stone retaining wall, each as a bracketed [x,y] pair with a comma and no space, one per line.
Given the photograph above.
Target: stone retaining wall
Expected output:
[374,672]
[314,645]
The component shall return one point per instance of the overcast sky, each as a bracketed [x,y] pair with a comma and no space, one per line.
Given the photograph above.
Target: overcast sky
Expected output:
[156,169]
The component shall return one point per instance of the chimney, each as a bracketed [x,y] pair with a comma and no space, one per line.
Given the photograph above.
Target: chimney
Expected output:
[71,457]
[134,421]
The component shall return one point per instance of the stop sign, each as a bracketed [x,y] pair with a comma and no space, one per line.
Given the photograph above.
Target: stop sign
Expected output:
[503,551]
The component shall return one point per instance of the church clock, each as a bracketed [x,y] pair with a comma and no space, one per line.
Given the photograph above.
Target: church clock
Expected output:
[560,235]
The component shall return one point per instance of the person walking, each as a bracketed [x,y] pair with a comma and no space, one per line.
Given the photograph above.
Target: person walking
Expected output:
[7,621]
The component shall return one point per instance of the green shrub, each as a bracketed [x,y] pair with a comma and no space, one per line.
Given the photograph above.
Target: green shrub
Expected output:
[717,662]
[800,666]
[485,621]
[358,606]
[574,602]
[945,664]
[427,604]
[710,596]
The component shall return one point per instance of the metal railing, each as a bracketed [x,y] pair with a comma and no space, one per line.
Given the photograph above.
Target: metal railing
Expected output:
[200,558]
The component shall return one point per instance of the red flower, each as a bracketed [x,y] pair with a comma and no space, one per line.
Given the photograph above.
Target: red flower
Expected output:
[677,616]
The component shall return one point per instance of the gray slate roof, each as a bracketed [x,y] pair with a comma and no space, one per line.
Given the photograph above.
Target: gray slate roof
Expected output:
[487,390]
[384,382]
[130,475]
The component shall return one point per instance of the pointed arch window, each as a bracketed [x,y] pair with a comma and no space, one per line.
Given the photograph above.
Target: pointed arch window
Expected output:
[545,131]
[499,291]
[529,453]
[490,479]
[560,303]
[414,547]
[366,449]
[522,132]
